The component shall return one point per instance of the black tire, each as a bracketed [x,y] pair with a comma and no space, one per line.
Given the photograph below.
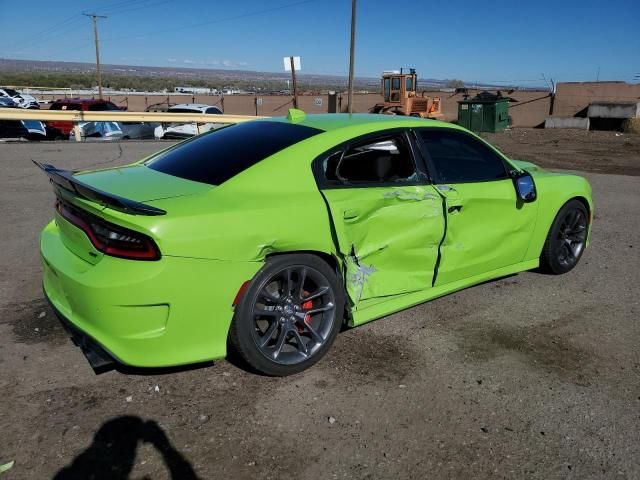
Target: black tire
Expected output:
[566,239]
[300,299]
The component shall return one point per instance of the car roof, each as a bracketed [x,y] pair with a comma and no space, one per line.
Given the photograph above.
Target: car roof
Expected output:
[335,121]
[81,100]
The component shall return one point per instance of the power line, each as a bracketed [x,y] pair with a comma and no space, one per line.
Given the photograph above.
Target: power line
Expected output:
[131,6]
[54,31]
[62,28]
[209,22]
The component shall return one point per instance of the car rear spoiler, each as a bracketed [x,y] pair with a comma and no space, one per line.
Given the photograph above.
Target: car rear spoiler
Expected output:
[64,179]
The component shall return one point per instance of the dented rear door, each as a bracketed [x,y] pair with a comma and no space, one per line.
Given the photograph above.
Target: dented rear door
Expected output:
[388,237]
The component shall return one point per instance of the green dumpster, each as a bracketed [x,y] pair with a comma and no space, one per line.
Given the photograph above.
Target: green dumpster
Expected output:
[486,112]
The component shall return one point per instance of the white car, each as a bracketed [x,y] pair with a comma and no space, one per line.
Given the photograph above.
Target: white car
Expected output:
[185,130]
[23,100]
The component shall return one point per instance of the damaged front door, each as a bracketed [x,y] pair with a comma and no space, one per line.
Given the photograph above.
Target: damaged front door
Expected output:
[487,227]
[388,221]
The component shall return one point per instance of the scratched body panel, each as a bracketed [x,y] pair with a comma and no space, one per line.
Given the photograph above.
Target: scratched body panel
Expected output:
[487,228]
[389,238]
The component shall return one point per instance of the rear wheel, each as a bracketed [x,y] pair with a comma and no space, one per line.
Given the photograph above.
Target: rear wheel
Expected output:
[289,316]
[566,239]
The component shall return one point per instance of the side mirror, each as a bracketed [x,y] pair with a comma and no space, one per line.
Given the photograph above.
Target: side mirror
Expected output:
[525,188]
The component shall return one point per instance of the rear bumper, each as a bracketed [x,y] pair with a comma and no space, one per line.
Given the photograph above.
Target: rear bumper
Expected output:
[170,312]
[96,355]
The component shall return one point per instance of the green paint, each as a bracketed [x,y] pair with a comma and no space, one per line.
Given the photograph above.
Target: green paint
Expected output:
[395,246]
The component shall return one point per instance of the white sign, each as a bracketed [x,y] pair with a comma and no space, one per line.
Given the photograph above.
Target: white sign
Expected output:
[258,101]
[287,63]
[317,101]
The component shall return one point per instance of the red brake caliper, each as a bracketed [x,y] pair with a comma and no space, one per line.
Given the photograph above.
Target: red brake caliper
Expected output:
[308,305]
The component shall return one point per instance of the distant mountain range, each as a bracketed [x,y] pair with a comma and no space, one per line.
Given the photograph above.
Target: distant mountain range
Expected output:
[185,76]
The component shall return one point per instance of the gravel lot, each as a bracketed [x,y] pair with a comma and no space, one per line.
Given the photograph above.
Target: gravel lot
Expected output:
[531,376]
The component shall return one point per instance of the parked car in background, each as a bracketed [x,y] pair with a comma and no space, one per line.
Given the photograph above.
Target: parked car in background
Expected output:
[7,102]
[60,129]
[22,100]
[29,129]
[186,130]
[138,130]
[99,131]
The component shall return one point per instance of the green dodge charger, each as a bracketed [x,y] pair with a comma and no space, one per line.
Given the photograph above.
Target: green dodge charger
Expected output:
[264,238]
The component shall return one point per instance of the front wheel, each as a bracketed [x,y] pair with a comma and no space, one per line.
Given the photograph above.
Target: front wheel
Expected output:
[566,239]
[289,316]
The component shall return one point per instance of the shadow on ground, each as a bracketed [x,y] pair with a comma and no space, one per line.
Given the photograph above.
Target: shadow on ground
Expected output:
[112,453]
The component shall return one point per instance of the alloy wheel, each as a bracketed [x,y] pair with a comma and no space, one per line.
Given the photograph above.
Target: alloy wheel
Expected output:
[293,314]
[571,238]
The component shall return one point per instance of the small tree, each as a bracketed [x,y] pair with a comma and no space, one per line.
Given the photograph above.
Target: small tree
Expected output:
[455,84]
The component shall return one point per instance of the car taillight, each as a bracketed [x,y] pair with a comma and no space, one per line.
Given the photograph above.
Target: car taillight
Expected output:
[108,238]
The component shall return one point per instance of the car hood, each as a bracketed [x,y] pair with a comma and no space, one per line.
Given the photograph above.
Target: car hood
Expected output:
[141,183]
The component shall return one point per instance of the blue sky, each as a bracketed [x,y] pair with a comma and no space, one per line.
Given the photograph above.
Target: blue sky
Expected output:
[495,41]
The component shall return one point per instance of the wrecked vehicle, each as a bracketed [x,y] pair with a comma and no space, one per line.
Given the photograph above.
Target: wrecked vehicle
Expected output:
[186,130]
[99,131]
[22,100]
[268,235]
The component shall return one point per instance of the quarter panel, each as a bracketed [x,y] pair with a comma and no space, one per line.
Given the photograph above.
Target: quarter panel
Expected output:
[554,190]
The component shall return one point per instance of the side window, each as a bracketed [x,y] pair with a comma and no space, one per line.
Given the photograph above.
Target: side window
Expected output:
[460,158]
[213,110]
[377,161]
[409,84]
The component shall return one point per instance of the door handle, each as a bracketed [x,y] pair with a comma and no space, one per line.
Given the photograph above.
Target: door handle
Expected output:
[454,208]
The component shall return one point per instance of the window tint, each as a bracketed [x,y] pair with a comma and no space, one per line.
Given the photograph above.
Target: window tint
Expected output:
[459,158]
[395,83]
[213,110]
[387,88]
[379,161]
[217,156]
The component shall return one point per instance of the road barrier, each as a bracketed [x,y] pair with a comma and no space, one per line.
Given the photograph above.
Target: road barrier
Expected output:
[77,116]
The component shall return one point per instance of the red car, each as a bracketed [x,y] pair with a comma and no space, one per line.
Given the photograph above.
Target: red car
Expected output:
[60,129]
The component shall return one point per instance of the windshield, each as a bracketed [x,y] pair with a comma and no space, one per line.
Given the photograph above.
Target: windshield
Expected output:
[219,155]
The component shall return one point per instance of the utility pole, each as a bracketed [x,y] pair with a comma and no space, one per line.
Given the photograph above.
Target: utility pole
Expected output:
[352,53]
[95,17]
[295,87]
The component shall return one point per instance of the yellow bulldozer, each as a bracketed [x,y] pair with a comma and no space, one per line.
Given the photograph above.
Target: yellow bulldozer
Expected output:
[399,90]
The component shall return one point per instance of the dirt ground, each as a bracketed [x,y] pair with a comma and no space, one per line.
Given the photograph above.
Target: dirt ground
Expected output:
[595,151]
[531,376]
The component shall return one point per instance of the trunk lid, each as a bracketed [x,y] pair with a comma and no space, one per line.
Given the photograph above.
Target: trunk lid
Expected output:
[140,183]
[125,189]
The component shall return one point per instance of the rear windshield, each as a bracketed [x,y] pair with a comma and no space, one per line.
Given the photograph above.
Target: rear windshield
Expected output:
[217,156]
[184,110]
